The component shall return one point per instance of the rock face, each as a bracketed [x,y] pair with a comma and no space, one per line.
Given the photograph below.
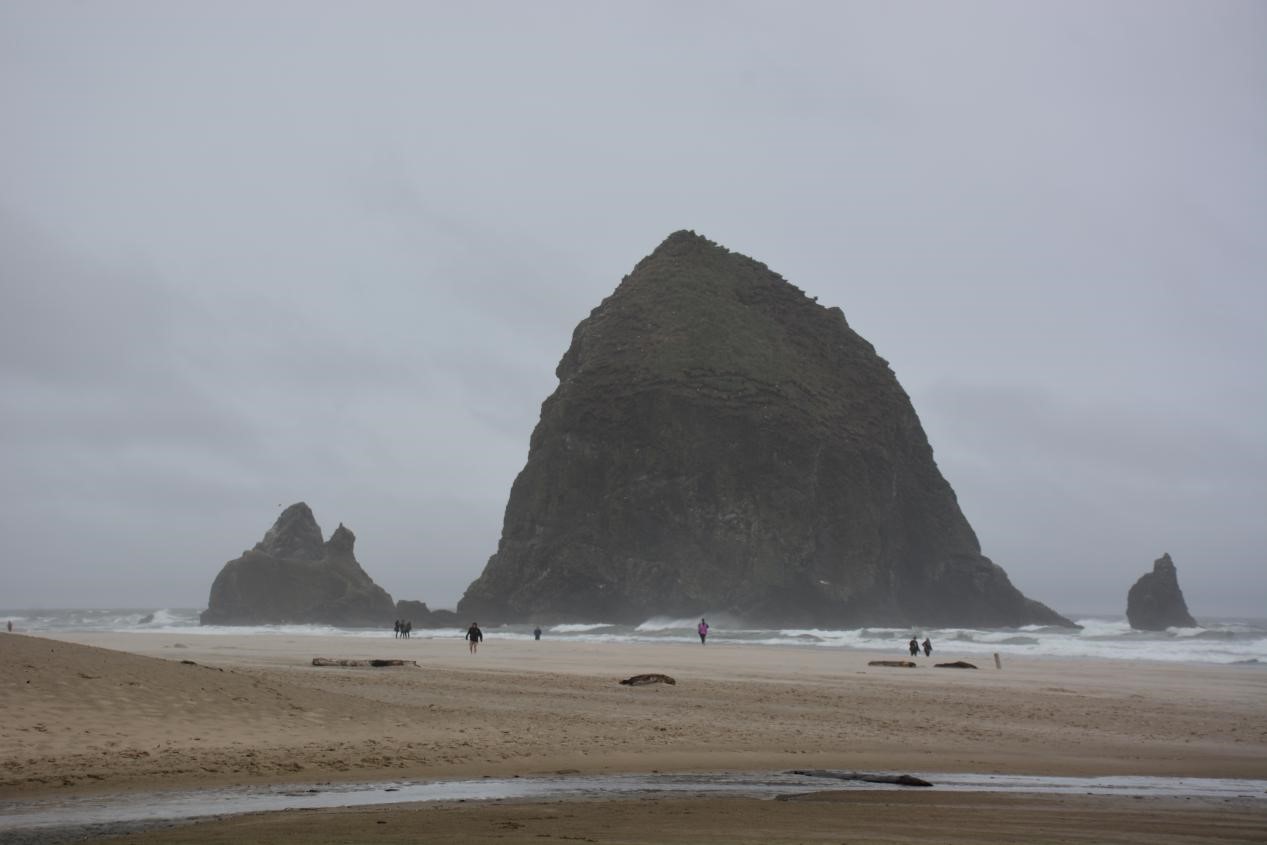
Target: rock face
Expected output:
[292,576]
[422,616]
[719,442]
[1155,602]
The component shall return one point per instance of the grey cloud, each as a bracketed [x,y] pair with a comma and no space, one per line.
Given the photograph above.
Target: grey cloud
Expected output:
[250,256]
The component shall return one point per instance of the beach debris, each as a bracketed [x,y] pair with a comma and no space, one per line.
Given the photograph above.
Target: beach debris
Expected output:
[653,678]
[200,666]
[865,777]
[958,664]
[906,664]
[330,661]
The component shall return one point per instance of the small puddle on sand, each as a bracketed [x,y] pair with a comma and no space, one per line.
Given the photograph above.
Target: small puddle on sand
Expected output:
[54,820]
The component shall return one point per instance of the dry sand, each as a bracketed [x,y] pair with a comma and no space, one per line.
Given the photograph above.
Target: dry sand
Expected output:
[252,709]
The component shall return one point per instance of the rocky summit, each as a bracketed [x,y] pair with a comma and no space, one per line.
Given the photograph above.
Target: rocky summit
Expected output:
[292,576]
[720,443]
[1155,602]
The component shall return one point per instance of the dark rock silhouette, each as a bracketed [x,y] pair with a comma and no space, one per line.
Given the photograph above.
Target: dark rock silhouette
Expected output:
[720,442]
[418,613]
[1155,601]
[292,576]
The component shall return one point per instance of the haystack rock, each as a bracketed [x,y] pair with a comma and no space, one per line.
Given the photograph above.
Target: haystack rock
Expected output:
[1155,602]
[293,577]
[719,442]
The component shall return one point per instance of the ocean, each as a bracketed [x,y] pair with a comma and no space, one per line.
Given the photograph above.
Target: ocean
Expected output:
[1222,640]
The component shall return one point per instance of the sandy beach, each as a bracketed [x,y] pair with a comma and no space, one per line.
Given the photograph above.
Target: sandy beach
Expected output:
[116,712]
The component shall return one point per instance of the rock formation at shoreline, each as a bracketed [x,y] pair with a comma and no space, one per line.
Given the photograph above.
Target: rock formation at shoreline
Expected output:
[293,577]
[1155,601]
[422,616]
[719,442]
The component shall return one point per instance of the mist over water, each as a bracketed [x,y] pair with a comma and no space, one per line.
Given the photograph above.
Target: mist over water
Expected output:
[1221,640]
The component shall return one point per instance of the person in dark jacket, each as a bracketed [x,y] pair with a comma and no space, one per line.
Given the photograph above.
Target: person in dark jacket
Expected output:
[475,636]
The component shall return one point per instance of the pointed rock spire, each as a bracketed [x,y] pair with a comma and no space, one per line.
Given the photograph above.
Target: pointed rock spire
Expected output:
[295,535]
[1155,602]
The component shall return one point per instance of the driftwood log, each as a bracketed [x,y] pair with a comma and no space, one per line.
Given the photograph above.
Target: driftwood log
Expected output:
[958,664]
[907,664]
[330,661]
[642,680]
[899,780]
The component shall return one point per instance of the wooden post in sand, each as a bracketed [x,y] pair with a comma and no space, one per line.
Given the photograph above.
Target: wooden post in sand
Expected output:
[998,664]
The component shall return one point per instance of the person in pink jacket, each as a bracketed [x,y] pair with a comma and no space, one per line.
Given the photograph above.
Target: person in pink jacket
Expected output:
[703,631]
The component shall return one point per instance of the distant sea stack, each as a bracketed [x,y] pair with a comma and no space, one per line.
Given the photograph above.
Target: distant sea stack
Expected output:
[418,614]
[1155,602]
[293,577]
[719,442]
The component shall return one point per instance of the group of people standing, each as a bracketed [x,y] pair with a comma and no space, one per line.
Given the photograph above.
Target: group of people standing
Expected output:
[915,646]
[404,628]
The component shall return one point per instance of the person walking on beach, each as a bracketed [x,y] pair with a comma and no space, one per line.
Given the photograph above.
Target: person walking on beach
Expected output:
[475,636]
[914,647]
[703,632]
[928,647]
[397,629]
[536,633]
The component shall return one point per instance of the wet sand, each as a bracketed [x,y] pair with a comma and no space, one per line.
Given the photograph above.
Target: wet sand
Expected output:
[112,712]
[852,818]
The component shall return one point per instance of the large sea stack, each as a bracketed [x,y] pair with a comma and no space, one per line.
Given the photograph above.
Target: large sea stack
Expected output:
[293,577]
[1155,602]
[719,442]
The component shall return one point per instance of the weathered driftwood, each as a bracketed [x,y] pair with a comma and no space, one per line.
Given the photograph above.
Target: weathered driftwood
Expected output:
[330,661]
[191,663]
[958,664]
[640,680]
[900,780]
[908,664]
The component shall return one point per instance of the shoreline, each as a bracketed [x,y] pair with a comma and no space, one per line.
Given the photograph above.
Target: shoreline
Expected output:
[1240,641]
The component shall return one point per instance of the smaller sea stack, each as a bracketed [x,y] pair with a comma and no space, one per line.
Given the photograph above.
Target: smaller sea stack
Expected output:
[293,577]
[1155,602]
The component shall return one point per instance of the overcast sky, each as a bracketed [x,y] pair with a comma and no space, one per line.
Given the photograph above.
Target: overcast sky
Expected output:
[258,253]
